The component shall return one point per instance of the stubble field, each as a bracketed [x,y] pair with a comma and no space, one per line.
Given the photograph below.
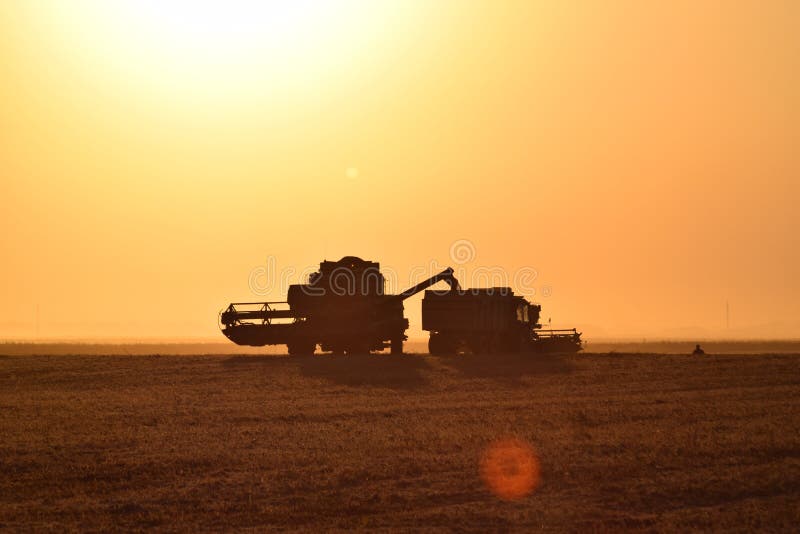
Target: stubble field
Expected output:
[217,442]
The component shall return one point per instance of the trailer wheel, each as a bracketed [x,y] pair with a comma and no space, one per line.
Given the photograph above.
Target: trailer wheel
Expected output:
[479,344]
[435,344]
[441,344]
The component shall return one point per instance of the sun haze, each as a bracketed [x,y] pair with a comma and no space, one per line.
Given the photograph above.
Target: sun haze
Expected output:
[641,158]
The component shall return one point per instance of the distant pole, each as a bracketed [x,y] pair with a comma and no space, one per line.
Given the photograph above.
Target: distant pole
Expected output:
[727,316]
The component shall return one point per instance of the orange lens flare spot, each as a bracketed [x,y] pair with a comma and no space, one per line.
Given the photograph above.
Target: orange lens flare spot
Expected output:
[510,469]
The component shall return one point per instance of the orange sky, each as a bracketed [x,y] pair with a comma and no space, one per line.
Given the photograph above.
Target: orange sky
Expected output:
[641,156]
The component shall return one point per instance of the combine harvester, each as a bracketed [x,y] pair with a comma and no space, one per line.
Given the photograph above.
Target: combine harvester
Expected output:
[343,309]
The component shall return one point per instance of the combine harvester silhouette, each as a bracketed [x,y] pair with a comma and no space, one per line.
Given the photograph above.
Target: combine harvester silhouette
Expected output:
[343,309]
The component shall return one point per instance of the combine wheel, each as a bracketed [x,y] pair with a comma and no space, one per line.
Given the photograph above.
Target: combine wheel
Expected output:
[397,345]
[301,348]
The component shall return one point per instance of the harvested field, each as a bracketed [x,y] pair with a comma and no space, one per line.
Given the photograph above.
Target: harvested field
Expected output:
[624,441]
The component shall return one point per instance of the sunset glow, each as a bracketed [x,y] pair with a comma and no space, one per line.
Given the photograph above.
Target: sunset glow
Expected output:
[640,159]
[399,265]
[238,49]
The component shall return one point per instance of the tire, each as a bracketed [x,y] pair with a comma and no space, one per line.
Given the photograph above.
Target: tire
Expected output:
[479,344]
[441,344]
[435,344]
[397,345]
[301,348]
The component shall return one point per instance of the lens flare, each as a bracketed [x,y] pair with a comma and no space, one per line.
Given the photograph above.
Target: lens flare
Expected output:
[510,469]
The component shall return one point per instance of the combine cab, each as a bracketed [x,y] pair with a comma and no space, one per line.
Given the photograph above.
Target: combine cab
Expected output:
[488,321]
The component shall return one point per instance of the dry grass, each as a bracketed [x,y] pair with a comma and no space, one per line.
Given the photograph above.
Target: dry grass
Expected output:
[217,442]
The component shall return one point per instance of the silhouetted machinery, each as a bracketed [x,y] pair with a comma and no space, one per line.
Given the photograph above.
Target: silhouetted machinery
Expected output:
[488,321]
[343,309]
